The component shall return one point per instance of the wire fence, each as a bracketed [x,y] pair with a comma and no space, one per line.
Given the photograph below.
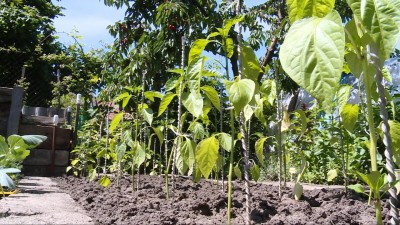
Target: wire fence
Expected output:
[23,69]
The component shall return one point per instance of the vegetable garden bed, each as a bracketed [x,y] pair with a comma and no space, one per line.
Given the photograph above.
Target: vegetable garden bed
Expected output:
[205,203]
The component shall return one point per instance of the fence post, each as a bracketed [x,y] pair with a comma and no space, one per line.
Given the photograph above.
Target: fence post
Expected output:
[15,110]
[78,107]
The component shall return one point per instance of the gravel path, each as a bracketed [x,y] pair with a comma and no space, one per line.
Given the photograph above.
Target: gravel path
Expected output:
[41,202]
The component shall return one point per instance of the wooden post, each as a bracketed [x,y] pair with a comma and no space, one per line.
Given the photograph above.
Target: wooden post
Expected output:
[78,107]
[15,111]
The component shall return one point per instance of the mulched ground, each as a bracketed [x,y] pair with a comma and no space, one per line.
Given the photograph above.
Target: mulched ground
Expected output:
[205,203]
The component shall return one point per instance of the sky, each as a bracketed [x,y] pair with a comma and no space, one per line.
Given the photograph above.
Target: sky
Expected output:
[91,18]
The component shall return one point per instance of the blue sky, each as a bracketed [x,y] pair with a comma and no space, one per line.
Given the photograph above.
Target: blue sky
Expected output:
[91,18]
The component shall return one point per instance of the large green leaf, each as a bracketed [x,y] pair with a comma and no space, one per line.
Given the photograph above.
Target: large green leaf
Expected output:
[343,96]
[153,94]
[147,114]
[312,55]
[165,101]
[213,95]
[230,47]
[207,155]
[259,111]
[139,154]
[349,116]
[115,121]
[299,9]
[381,20]
[228,25]
[172,83]
[259,146]
[32,141]
[193,102]
[251,66]
[197,130]
[194,74]
[187,150]
[268,89]
[181,159]
[197,48]
[240,92]
[159,133]
[125,97]
[225,140]
[255,172]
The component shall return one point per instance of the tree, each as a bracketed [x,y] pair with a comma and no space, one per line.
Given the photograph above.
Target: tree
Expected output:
[26,37]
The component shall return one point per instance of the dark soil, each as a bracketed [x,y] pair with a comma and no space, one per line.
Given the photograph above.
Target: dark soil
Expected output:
[205,203]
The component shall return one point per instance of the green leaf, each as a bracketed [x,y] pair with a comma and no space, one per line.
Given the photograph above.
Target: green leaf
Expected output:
[381,20]
[15,141]
[268,88]
[259,146]
[32,141]
[357,188]
[303,119]
[3,146]
[237,172]
[172,83]
[298,191]
[182,159]
[299,9]
[188,147]
[153,94]
[159,133]
[165,101]
[125,97]
[349,116]
[312,55]
[197,130]
[343,96]
[229,23]
[255,172]
[115,121]
[240,93]
[259,111]
[197,48]
[147,114]
[248,112]
[193,102]
[207,155]
[225,140]
[332,174]
[251,66]
[194,74]
[105,181]
[230,47]
[139,154]
[213,95]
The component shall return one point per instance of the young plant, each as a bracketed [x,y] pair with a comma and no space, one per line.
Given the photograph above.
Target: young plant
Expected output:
[13,152]
[378,185]
[371,37]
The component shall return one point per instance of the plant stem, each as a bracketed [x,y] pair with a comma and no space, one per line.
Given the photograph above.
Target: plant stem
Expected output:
[232,123]
[387,141]
[378,211]
[167,172]
[370,112]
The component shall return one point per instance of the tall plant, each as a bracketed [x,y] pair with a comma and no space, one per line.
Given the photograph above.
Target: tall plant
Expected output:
[313,54]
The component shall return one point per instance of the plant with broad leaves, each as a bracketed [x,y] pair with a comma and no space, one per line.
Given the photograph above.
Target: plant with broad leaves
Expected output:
[378,185]
[13,152]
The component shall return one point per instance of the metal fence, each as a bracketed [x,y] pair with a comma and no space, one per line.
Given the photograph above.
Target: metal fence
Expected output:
[23,69]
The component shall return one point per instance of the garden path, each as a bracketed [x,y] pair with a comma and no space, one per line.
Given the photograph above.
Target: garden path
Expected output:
[40,201]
